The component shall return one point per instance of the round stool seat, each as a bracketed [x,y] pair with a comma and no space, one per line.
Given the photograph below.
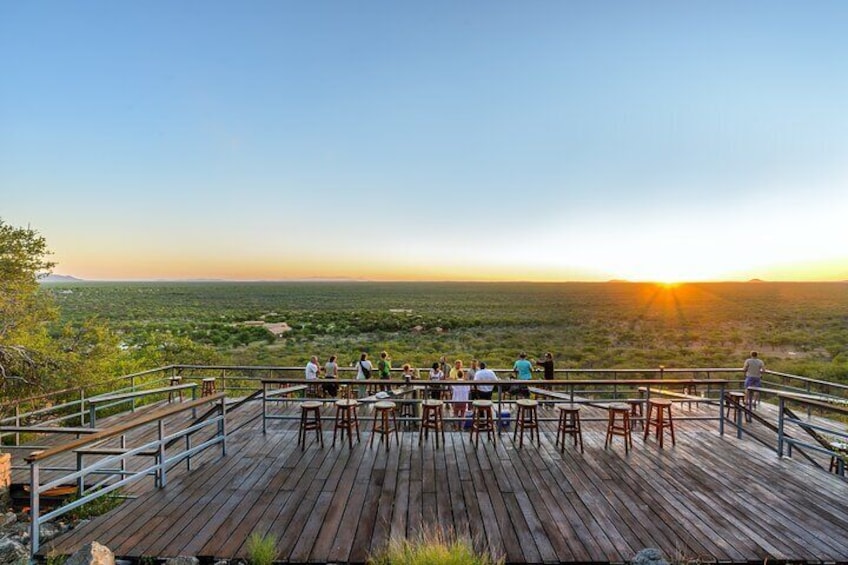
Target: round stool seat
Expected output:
[433,403]
[527,403]
[385,405]
[567,407]
[660,402]
[482,404]
[619,406]
[310,405]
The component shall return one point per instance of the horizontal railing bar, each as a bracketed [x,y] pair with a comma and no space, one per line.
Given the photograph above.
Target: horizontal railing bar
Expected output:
[122,428]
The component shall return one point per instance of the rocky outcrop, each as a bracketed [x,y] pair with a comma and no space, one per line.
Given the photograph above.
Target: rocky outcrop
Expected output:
[92,554]
[12,551]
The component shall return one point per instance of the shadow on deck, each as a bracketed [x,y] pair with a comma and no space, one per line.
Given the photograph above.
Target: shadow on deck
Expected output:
[709,497]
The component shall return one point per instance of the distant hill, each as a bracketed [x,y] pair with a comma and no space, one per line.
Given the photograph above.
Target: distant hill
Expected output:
[756,280]
[59,278]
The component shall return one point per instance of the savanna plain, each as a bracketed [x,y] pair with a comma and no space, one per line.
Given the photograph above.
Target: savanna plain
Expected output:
[800,328]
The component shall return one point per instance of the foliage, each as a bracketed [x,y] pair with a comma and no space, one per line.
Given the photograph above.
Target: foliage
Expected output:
[97,507]
[432,546]
[262,550]
[23,309]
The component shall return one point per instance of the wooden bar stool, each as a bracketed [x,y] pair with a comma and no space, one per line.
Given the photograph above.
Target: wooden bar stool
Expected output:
[307,409]
[175,381]
[346,421]
[569,424]
[207,387]
[385,422]
[619,425]
[483,421]
[431,419]
[658,408]
[526,418]
[407,414]
[636,412]
[733,402]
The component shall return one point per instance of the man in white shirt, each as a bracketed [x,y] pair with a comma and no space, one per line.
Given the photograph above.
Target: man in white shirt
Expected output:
[312,375]
[484,392]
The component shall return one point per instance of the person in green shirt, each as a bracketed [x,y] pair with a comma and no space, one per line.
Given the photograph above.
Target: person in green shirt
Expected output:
[384,368]
[523,370]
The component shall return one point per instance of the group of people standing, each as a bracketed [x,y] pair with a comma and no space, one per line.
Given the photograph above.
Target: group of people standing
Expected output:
[460,395]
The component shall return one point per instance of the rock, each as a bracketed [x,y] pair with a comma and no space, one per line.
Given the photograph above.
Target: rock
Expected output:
[183,560]
[12,551]
[7,519]
[648,556]
[48,531]
[222,562]
[92,554]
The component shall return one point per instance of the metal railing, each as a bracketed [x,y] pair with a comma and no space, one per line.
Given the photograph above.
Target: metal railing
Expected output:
[824,446]
[114,464]
[603,393]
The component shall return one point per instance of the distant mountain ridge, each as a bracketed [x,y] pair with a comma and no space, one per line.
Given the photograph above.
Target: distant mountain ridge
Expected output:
[59,278]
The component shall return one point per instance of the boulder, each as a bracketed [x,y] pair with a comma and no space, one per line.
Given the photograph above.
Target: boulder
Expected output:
[183,560]
[649,556]
[12,551]
[92,554]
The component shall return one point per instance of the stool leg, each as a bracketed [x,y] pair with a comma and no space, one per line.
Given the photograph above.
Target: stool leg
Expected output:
[660,426]
[610,424]
[628,437]
[373,430]
[319,429]
[579,427]
[671,425]
[396,430]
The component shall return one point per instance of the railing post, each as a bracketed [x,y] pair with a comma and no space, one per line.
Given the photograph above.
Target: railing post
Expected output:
[500,409]
[264,410]
[188,448]
[17,423]
[194,397]
[721,401]
[739,416]
[34,508]
[161,471]
[81,479]
[222,427]
[780,415]
[92,415]
[132,387]
[809,408]
[82,406]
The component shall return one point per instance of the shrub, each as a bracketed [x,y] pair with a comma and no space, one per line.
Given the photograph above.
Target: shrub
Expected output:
[430,547]
[262,550]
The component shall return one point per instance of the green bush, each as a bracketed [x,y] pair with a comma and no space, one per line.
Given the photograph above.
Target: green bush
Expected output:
[262,550]
[432,547]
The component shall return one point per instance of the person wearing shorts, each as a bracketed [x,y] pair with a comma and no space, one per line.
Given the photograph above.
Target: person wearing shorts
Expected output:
[753,369]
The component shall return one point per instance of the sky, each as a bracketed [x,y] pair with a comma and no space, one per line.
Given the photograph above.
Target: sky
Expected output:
[432,140]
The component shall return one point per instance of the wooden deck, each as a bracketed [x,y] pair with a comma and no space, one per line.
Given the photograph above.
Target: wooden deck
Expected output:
[710,498]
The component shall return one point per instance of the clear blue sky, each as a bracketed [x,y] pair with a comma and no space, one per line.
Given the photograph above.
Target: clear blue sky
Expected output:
[519,140]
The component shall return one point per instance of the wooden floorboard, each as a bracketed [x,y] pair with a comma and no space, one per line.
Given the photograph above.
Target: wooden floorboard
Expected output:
[711,498]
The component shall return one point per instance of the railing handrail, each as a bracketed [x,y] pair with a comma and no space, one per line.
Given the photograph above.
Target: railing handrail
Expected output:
[808,380]
[107,397]
[122,428]
[536,382]
[46,395]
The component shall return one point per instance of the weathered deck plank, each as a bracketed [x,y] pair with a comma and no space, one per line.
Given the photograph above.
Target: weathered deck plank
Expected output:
[709,497]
